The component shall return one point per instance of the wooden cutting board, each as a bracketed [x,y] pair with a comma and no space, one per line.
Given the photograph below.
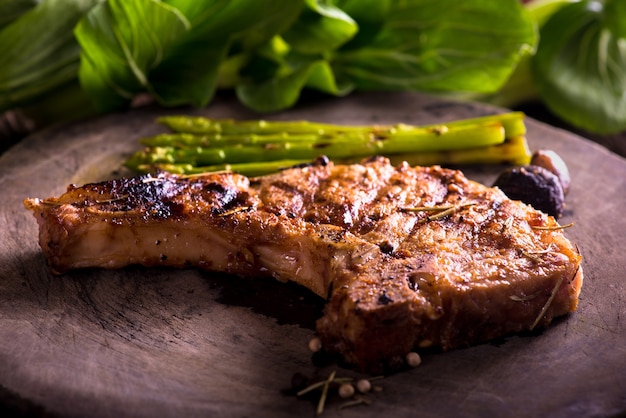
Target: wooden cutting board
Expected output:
[162,342]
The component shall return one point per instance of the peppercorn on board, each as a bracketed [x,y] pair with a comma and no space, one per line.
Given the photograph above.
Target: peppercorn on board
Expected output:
[172,342]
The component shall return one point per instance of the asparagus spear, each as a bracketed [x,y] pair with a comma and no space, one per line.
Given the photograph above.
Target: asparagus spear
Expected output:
[481,132]
[512,151]
[511,121]
[395,142]
[259,147]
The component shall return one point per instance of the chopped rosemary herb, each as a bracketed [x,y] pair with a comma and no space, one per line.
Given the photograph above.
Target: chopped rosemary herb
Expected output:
[427,208]
[441,211]
[334,381]
[553,228]
[111,200]
[545,251]
[359,400]
[508,223]
[109,213]
[449,211]
[235,210]
[531,256]
[321,383]
[322,401]
[50,202]
[548,302]
[524,298]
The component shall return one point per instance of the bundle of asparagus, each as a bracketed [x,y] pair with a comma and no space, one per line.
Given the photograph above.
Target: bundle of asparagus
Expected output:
[197,144]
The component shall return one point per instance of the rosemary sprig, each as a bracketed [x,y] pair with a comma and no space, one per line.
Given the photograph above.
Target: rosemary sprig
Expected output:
[322,401]
[427,208]
[449,211]
[552,228]
[544,251]
[531,256]
[235,210]
[111,200]
[508,223]
[359,400]
[524,298]
[548,302]
[321,383]
[332,381]
[441,211]
[107,213]
[47,202]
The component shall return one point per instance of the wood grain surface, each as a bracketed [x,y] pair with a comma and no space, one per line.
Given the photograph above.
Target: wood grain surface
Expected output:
[162,342]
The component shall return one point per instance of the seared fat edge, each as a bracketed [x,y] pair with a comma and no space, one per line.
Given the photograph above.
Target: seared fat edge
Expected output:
[398,277]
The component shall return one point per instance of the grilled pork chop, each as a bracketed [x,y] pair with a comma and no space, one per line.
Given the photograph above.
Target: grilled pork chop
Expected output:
[408,257]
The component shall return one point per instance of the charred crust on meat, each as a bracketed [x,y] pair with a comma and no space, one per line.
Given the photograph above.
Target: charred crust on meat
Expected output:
[421,280]
[223,198]
[331,287]
[571,279]
[384,299]
[372,159]
[321,161]
[289,188]
[148,192]
[386,247]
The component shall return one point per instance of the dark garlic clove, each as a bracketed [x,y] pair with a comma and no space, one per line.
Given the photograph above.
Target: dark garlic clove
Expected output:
[551,161]
[535,186]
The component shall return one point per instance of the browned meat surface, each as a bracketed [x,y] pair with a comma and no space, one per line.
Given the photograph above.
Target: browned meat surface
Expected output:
[408,257]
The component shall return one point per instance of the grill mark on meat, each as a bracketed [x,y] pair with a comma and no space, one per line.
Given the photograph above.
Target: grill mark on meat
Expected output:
[395,280]
[224,199]
[282,197]
[123,195]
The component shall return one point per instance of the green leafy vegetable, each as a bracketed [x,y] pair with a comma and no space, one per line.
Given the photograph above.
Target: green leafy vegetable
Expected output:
[282,92]
[219,28]
[10,10]
[520,87]
[39,52]
[269,51]
[415,45]
[320,28]
[370,16]
[580,65]
[121,43]
[436,45]
[172,50]
[579,68]
[182,51]
[427,45]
